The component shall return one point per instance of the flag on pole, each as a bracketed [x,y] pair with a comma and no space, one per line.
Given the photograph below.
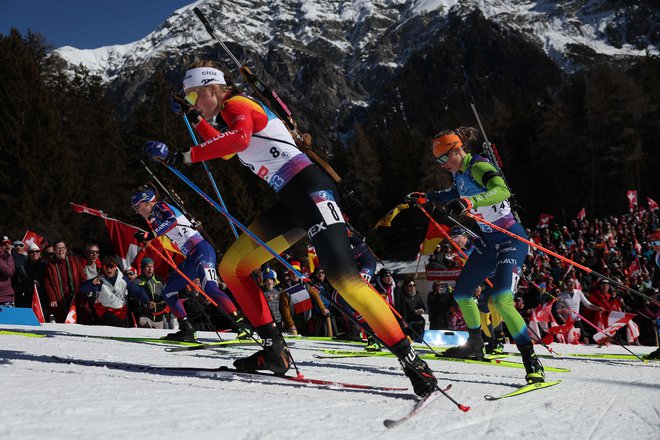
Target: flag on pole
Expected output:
[71,316]
[300,298]
[582,214]
[32,237]
[632,200]
[36,306]
[84,209]
[387,219]
[613,321]
[653,205]
[544,221]
[313,259]
[433,237]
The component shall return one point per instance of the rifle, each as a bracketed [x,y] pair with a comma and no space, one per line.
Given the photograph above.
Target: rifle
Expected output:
[272,100]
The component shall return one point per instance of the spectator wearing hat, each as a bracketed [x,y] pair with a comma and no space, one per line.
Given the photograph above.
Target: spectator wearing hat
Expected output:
[110,290]
[62,281]
[29,276]
[384,284]
[153,316]
[272,294]
[6,272]
[19,253]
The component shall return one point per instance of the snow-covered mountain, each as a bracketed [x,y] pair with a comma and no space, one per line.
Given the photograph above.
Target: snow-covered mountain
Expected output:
[350,31]
[333,59]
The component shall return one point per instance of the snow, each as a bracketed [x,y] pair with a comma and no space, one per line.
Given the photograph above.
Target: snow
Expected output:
[43,398]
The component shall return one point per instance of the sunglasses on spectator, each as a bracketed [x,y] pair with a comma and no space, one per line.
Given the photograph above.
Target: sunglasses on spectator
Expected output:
[109,266]
[411,285]
[94,252]
[33,252]
[19,245]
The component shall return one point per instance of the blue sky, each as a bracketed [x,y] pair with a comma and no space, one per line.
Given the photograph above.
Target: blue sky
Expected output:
[86,24]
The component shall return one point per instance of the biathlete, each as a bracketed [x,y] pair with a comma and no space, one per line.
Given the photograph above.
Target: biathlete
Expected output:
[481,190]
[307,204]
[200,260]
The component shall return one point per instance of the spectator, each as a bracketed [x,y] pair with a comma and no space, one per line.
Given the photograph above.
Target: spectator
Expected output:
[296,310]
[412,310]
[48,253]
[153,316]
[62,281]
[6,272]
[91,263]
[384,284]
[19,253]
[272,294]
[568,305]
[439,307]
[110,290]
[29,276]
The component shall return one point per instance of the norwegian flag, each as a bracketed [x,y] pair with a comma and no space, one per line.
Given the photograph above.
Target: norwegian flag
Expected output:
[32,237]
[582,214]
[544,221]
[36,306]
[632,200]
[300,298]
[653,205]
[614,321]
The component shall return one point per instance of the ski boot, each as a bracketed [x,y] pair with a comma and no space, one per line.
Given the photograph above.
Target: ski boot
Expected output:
[186,332]
[473,347]
[535,372]
[241,327]
[274,356]
[495,345]
[653,354]
[353,334]
[372,345]
[421,376]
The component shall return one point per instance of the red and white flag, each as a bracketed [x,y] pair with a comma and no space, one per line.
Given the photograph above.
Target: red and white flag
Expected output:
[84,209]
[613,321]
[632,200]
[653,205]
[71,316]
[32,237]
[544,221]
[635,269]
[582,214]
[541,317]
[36,306]
[566,333]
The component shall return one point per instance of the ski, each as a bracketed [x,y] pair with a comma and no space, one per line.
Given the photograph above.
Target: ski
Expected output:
[212,345]
[419,406]
[582,356]
[524,389]
[167,341]
[257,376]
[494,361]
[25,334]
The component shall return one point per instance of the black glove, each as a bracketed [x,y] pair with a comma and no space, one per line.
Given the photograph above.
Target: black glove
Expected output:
[415,197]
[181,107]
[144,236]
[456,207]
[179,156]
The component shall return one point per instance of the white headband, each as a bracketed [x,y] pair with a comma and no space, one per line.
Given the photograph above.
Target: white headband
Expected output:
[202,76]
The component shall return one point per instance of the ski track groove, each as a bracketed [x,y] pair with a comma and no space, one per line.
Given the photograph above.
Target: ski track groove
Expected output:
[595,425]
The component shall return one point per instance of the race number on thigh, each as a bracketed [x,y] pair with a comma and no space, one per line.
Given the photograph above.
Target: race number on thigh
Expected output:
[209,275]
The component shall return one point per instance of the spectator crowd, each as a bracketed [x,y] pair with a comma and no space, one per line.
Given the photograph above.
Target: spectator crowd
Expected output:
[618,247]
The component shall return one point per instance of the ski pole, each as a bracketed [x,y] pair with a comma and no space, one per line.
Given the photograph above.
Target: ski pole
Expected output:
[596,327]
[207,168]
[458,248]
[274,102]
[370,332]
[562,258]
[173,265]
[232,219]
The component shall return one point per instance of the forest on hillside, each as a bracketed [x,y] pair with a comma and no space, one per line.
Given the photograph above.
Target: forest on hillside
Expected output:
[567,141]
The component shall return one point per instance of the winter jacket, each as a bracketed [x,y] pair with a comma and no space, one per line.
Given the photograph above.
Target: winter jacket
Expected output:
[6,272]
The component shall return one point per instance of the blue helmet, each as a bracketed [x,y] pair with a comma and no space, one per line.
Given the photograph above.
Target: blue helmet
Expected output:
[143,195]
[456,230]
